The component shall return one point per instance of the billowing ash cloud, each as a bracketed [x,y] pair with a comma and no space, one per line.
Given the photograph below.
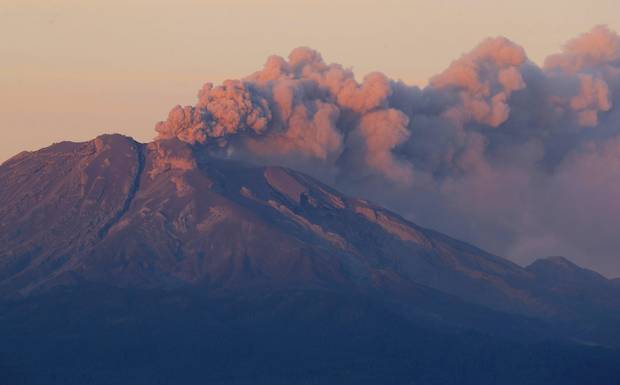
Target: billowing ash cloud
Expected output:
[302,107]
[520,159]
[483,81]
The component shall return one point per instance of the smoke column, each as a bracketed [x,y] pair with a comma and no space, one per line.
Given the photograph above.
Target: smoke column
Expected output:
[519,159]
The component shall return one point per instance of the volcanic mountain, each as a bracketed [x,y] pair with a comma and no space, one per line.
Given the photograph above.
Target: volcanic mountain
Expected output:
[175,266]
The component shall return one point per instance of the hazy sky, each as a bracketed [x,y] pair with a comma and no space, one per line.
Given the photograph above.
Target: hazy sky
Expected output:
[75,69]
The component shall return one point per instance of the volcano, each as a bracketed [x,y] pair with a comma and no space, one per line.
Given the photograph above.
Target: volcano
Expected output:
[123,262]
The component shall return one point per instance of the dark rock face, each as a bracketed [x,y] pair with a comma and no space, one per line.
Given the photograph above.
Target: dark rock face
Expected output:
[112,219]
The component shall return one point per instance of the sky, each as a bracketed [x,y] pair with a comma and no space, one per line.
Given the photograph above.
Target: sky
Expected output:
[71,70]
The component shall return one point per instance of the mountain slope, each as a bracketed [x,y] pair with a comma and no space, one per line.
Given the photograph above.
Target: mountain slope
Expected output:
[160,215]
[103,335]
[114,243]
[73,201]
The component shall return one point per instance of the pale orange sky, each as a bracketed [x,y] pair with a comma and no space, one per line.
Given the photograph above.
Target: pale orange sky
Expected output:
[75,69]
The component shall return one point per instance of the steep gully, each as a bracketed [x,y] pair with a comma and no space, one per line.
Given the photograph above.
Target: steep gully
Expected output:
[133,190]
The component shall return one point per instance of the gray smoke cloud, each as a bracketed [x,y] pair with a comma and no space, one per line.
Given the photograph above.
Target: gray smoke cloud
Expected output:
[519,159]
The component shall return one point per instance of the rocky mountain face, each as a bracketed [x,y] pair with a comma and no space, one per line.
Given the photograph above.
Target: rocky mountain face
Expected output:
[124,233]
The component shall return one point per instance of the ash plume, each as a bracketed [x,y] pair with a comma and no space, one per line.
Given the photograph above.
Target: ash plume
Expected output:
[520,159]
